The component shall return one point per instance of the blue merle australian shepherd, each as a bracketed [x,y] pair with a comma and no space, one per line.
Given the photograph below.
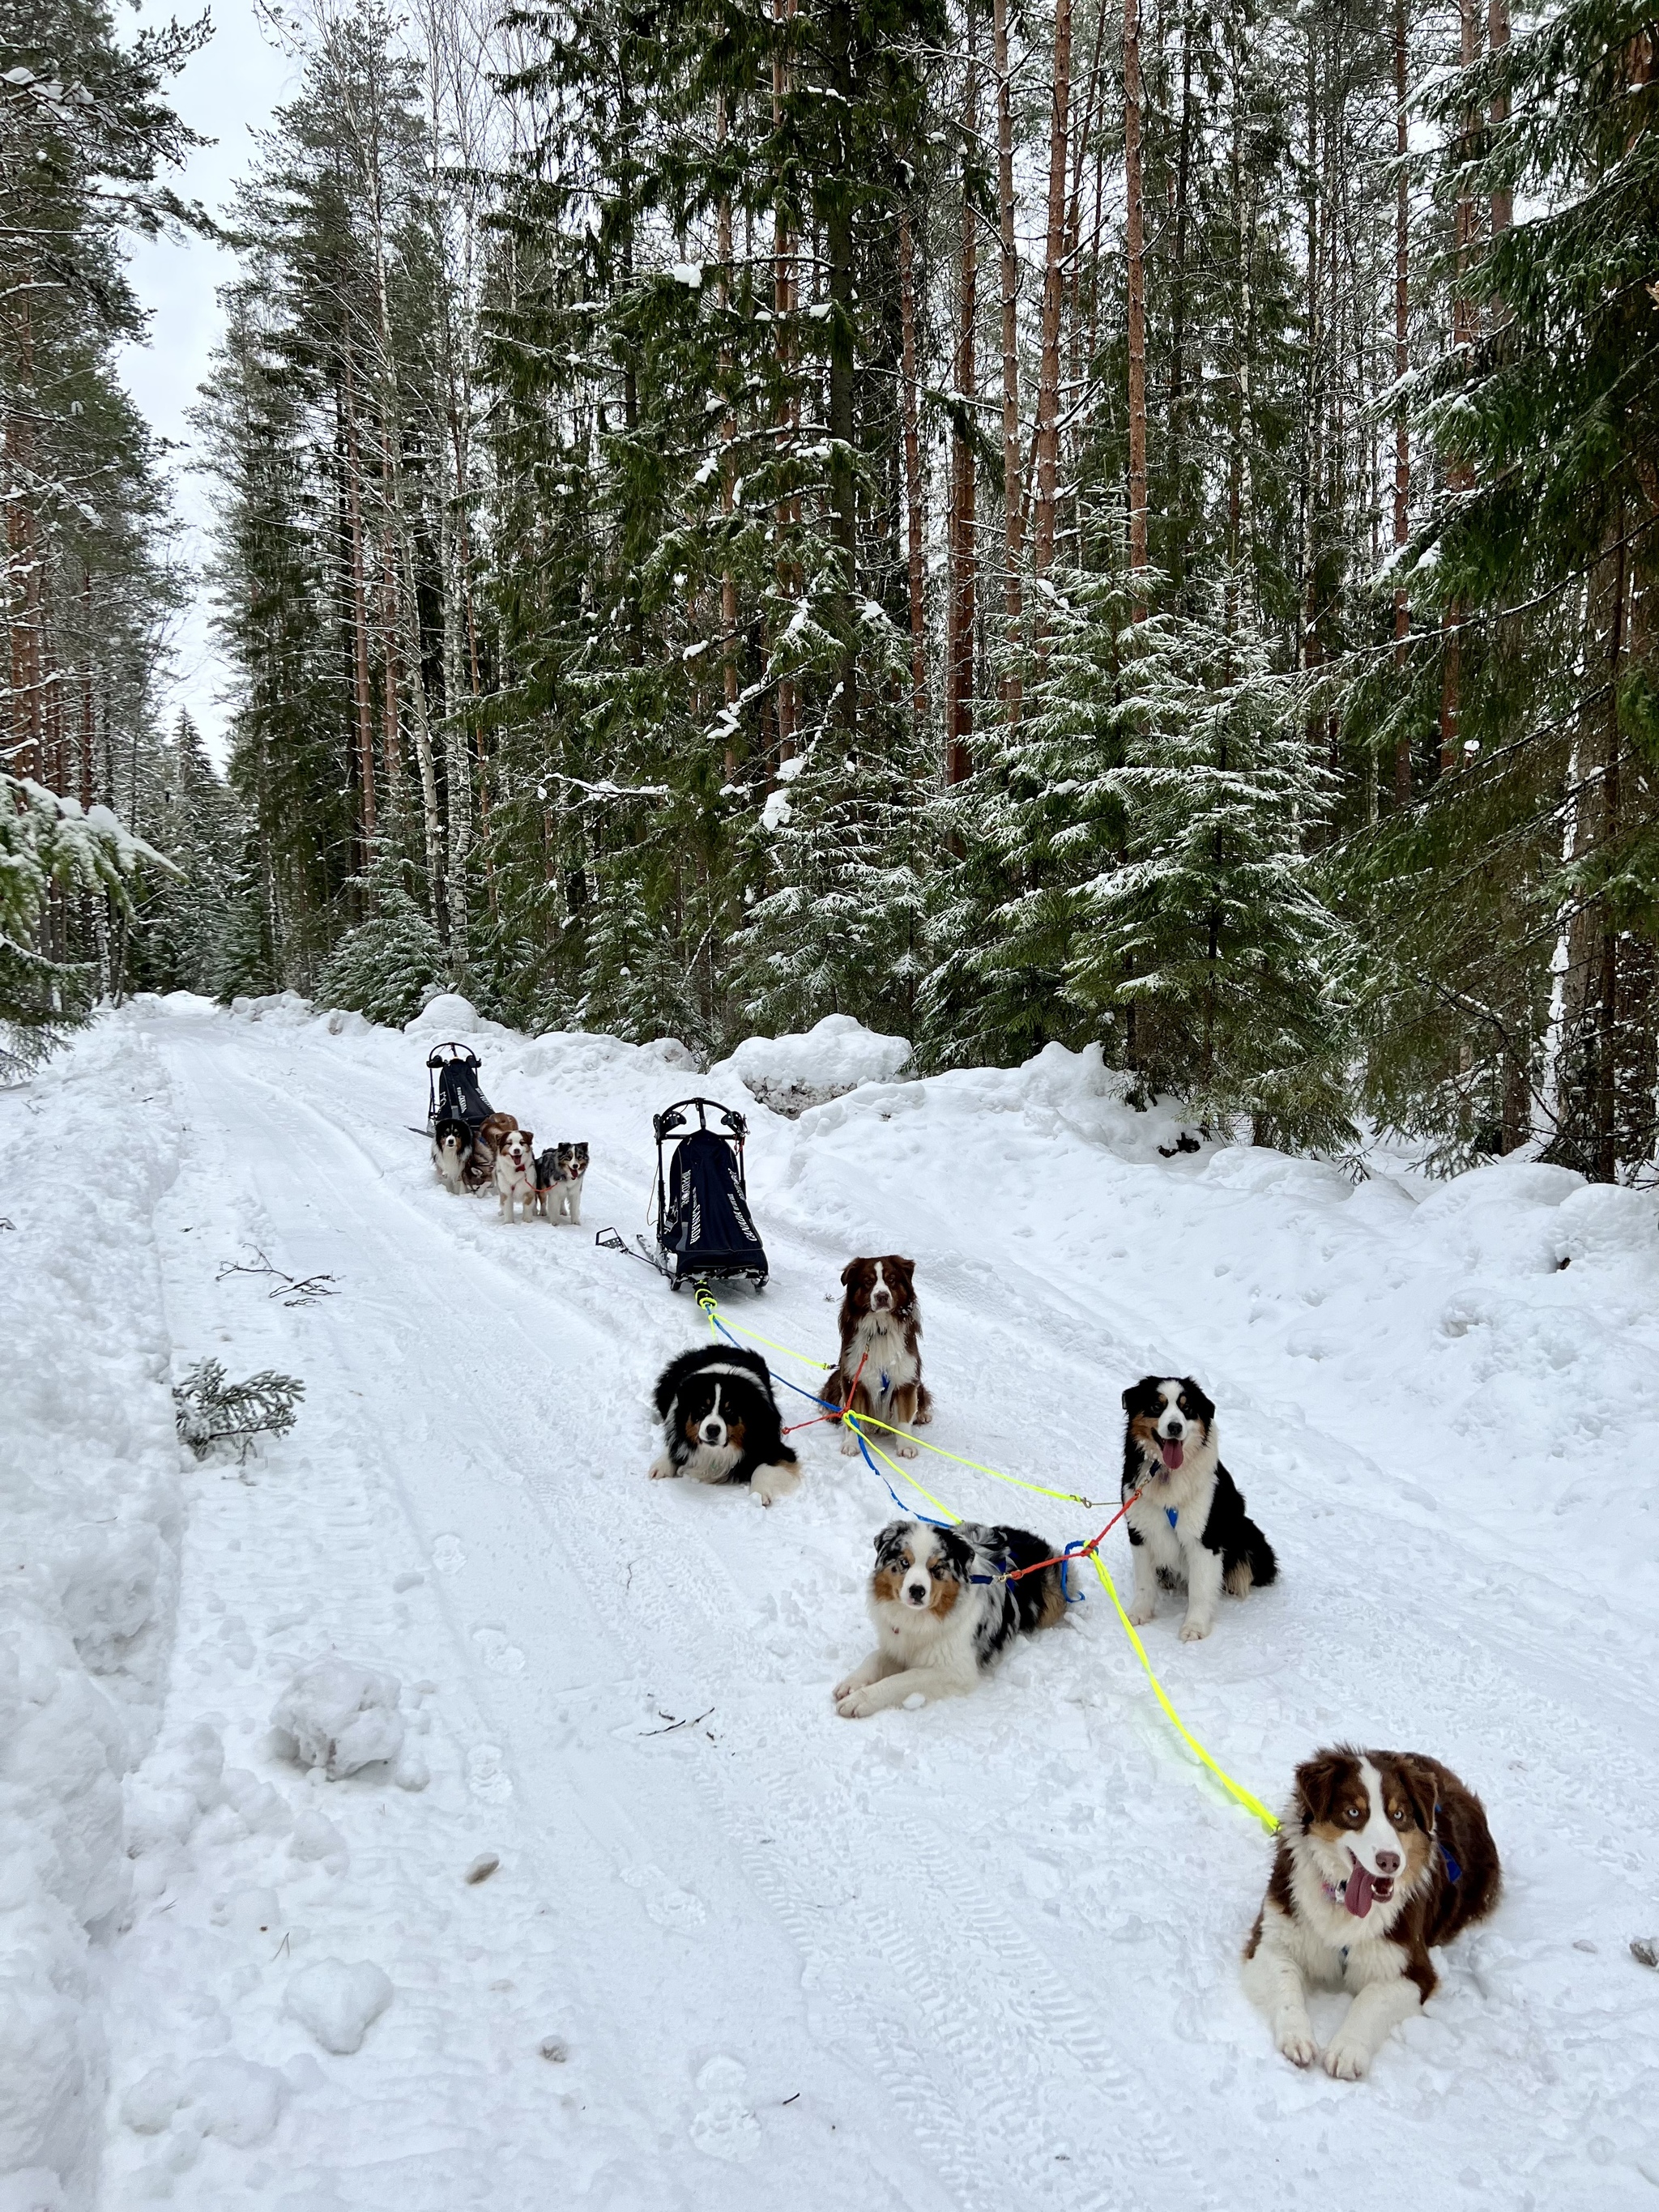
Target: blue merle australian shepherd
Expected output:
[944,1610]
[1187,1519]
[720,1423]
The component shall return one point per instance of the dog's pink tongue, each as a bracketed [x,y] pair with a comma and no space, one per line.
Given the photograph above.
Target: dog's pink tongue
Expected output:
[1173,1453]
[1357,1894]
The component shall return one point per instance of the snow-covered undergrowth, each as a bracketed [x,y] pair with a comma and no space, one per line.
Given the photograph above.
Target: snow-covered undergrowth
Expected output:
[88,1554]
[624,1917]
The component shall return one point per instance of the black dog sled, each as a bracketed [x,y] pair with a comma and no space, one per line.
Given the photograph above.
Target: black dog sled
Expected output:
[452,1092]
[704,1230]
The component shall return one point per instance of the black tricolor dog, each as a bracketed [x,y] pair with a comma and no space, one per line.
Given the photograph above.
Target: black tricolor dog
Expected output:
[720,1423]
[1187,1519]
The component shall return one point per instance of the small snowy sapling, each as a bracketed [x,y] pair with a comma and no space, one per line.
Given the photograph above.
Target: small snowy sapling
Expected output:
[209,1411]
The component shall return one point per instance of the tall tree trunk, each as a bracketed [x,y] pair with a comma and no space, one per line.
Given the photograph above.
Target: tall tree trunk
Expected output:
[1134,224]
[1174,475]
[359,613]
[783,292]
[915,549]
[1465,330]
[1011,486]
[963,531]
[838,235]
[1497,37]
[729,683]
[1054,296]
[1402,435]
[23,552]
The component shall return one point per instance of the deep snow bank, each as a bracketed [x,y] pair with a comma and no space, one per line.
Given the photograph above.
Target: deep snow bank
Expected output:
[88,1547]
[793,1072]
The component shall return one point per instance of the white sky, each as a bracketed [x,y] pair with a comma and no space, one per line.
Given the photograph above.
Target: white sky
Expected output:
[227,90]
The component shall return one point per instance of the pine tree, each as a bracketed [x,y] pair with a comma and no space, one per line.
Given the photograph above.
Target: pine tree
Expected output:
[388,967]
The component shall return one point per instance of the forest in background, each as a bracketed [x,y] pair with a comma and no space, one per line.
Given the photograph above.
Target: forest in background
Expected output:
[1128,523]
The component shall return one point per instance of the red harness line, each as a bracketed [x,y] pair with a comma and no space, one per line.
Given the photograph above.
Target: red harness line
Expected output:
[847,1408]
[1084,1552]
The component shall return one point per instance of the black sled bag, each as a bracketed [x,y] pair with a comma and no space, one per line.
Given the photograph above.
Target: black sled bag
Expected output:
[455,1093]
[706,1227]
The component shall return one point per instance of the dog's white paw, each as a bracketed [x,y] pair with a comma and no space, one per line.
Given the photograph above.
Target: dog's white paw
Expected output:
[905,1448]
[1348,2060]
[1194,1631]
[1139,1615]
[663,1468]
[769,1482]
[849,1446]
[843,1690]
[1299,2046]
[856,1706]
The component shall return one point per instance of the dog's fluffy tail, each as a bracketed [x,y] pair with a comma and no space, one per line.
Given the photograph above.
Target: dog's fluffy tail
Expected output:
[1259,1556]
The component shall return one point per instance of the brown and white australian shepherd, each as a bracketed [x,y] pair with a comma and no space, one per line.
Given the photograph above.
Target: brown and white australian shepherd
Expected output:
[515,1172]
[1382,1854]
[486,1142]
[879,1370]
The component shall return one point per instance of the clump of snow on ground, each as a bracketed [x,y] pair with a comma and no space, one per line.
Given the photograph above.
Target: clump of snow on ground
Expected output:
[339,2002]
[791,1073]
[340,1716]
[89,1546]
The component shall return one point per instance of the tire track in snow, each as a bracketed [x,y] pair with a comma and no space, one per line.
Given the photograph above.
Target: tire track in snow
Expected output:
[988,2050]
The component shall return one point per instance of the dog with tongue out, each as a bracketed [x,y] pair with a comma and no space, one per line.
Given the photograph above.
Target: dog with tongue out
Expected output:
[1187,1522]
[1382,1857]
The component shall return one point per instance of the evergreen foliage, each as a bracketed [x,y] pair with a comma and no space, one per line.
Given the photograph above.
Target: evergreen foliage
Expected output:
[388,967]
[707,541]
[209,1411]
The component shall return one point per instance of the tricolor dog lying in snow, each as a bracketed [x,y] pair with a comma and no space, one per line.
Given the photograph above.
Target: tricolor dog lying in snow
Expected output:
[944,1610]
[879,1370]
[720,1423]
[1186,1520]
[1381,1855]
[515,1172]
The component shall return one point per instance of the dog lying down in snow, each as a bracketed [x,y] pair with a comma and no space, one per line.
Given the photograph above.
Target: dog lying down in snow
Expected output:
[1383,1856]
[720,1423]
[944,1612]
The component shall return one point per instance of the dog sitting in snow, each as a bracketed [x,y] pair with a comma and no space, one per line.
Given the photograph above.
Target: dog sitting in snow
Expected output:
[452,1152]
[945,1610]
[515,1172]
[879,1370]
[1186,1517]
[1381,1855]
[559,1173]
[720,1423]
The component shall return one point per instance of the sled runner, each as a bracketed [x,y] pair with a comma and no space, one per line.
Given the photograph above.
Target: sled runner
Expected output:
[452,1092]
[704,1230]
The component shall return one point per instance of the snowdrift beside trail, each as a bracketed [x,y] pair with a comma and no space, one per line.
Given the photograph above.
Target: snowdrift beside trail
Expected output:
[89,1501]
[793,1072]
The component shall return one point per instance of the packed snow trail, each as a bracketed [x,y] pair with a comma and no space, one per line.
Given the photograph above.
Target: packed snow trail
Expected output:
[980,1955]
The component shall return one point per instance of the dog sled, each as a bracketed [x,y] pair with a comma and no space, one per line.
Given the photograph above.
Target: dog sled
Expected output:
[453,1098]
[704,1230]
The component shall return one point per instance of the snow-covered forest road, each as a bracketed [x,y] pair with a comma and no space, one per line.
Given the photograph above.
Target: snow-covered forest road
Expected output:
[982,1955]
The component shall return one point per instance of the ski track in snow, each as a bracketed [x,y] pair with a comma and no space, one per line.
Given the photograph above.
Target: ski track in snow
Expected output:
[977,1956]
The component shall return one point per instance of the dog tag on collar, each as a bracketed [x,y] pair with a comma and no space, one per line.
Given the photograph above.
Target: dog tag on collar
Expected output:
[1172,1514]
